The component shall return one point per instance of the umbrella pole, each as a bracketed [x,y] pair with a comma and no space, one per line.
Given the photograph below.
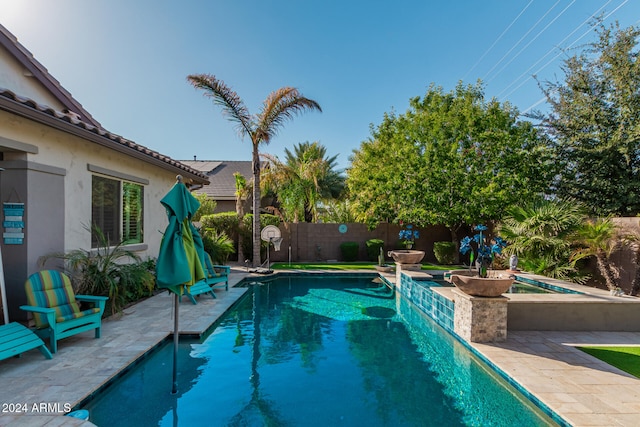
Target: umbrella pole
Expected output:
[174,388]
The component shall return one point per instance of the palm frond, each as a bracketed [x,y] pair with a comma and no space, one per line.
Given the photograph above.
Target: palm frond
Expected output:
[281,105]
[232,105]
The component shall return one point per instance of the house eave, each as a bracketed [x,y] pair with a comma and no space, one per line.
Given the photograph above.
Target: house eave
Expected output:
[101,137]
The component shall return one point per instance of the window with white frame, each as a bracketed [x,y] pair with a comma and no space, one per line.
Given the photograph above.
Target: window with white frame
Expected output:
[117,209]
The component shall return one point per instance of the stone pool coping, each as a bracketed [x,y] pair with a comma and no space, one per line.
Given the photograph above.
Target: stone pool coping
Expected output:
[577,387]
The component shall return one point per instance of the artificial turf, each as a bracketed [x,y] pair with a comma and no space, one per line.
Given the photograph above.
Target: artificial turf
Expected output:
[623,358]
[344,266]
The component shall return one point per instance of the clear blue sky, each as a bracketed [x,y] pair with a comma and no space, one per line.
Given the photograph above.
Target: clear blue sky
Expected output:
[126,61]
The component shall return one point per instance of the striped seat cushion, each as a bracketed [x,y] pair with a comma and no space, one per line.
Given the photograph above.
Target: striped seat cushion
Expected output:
[52,289]
[77,315]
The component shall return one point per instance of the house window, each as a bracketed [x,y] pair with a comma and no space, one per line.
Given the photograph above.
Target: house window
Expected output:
[116,208]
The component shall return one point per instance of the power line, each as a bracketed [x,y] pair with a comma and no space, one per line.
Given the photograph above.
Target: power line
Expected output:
[519,41]
[555,57]
[550,52]
[497,40]
[532,40]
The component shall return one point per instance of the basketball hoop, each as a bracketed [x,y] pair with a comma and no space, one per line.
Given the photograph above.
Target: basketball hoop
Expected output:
[276,243]
[271,234]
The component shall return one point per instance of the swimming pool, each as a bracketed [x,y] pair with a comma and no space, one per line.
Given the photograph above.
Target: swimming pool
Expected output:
[317,351]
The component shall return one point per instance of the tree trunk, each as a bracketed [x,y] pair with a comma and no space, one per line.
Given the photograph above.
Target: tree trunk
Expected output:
[454,239]
[240,213]
[605,271]
[635,285]
[256,206]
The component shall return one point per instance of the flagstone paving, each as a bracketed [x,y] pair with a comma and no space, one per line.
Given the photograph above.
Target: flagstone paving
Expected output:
[581,389]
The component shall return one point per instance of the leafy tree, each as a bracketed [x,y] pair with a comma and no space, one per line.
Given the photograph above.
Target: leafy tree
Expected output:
[207,206]
[338,211]
[594,124]
[452,159]
[303,180]
[281,105]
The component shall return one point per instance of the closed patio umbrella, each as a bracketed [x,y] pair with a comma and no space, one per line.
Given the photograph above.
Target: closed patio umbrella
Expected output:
[181,255]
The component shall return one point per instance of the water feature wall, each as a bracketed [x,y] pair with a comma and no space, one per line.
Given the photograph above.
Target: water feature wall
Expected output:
[436,306]
[474,319]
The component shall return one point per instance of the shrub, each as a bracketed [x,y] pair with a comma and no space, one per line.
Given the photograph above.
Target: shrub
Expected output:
[445,252]
[373,248]
[224,222]
[207,206]
[138,280]
[227,223]
[349,251]
[107,270]
[217,245]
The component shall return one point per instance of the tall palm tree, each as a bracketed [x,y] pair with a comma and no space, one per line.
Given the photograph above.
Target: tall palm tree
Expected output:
[281,105]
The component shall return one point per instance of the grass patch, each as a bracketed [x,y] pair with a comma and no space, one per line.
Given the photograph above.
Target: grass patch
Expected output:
[345,266]
[624,358]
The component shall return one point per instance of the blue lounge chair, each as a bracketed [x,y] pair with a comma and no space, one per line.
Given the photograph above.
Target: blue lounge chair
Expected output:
[15,339]
[55,307]
[217,277]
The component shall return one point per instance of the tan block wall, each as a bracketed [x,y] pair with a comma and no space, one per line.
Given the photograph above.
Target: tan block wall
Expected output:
[321,242]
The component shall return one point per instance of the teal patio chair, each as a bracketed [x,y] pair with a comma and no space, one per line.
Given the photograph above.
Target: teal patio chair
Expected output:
[217,277]
[16,339]
[55,307]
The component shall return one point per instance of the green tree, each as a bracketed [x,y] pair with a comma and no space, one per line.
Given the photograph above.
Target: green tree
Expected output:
[305,179]
[451,159]
[207,206]
[594,124]
[281,105]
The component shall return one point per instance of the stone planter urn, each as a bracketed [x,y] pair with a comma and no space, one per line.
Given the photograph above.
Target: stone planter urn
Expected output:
[481,286]
[406,256]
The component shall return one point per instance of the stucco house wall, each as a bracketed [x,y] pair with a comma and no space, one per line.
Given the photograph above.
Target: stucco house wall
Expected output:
[15,76]
[78,160]
[50,149]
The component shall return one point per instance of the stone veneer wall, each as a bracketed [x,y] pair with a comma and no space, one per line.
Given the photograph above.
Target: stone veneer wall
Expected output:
[480,319]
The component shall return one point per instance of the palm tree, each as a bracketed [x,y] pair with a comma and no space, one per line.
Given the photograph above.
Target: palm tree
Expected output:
[598,238]
[540,233]
[281,105]
[306,177]
[242,191]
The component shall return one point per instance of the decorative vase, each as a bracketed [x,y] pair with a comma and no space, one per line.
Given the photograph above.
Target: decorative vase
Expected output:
[481,286]
[513,262]
[406,256]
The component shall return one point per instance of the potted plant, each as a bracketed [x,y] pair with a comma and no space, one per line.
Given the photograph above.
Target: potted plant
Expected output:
[478,283]
[407,235]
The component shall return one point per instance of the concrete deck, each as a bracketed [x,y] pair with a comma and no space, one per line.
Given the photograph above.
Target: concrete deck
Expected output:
[578,387]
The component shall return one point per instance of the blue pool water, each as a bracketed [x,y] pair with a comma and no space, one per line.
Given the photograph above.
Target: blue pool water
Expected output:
[309,351]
